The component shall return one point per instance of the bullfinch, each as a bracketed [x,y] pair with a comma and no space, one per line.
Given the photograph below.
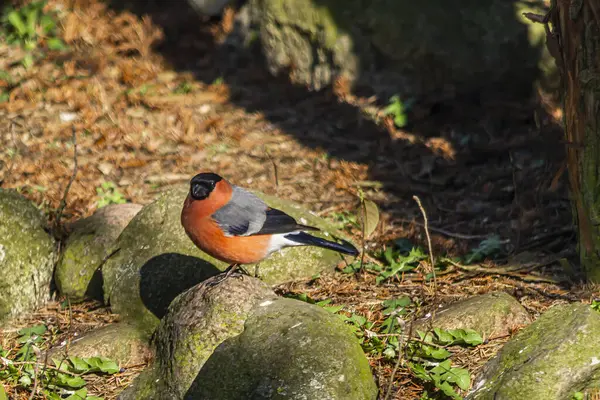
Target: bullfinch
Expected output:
[235,226]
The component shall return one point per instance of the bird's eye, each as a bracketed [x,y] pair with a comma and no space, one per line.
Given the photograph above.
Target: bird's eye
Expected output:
[201,190]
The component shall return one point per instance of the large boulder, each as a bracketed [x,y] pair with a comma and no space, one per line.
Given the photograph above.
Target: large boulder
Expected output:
[237,340]
[491,314]
[197,322]
[27,256]
[78,274]
[288,350]
[554,357]
[154,260]
[435,45]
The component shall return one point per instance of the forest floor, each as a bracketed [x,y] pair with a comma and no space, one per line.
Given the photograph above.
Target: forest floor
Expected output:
[151,108]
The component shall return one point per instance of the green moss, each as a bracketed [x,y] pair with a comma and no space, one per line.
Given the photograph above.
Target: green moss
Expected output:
[550,359]
[328,361]
[27,256]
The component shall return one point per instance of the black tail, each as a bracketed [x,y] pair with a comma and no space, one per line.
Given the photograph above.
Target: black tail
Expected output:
[309,240]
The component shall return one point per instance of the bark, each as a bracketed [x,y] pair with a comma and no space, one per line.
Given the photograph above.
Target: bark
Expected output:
[575,43]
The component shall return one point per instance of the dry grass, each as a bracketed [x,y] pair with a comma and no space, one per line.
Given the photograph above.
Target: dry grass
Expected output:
[145,123]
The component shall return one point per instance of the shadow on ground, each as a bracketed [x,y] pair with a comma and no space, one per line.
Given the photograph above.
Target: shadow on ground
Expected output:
[480,161]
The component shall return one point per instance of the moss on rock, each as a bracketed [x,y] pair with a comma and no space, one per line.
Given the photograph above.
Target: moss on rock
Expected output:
[156,261]
[403,43]
[27,256]
[490,314]
[288,350]
[77,273]
[554,357]
[197,322]
[119,342]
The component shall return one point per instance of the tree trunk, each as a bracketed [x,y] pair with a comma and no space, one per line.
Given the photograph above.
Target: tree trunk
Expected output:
[575,43]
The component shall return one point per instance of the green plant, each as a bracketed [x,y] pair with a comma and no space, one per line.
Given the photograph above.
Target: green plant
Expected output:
[29,27]
[109,194]
[397,109]
[595,305]
[578,396]
[183,88]
[430,358]
[487,247]
[55,377]
[344,219]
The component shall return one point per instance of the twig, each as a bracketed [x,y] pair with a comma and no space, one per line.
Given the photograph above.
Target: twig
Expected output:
[63,201]
[451,234]
[401,349]
[275,171]
[503,271]
[426,226]
[64,371]
[35,381]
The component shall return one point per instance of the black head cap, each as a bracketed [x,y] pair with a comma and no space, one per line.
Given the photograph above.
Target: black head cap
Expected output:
[203,184]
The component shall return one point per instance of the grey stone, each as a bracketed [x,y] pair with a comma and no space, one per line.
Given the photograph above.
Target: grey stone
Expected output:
[288,350]
[491,314]
[120,342]
[78,274]
[27,256]
[402,44]
[554,357]
[197,322]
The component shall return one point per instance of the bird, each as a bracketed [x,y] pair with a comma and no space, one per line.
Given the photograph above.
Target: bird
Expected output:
[234,225]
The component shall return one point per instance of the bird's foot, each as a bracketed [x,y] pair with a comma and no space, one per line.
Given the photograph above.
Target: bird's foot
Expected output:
[227,273]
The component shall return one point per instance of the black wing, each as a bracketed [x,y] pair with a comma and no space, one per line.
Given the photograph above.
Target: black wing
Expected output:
[279,222]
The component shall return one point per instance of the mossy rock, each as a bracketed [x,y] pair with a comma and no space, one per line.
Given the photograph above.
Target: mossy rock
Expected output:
[554,357]
[288,350]
[78,275]
[27,256]
[119,342]
[490,314]
[197,322]
[155,260]
[401,43]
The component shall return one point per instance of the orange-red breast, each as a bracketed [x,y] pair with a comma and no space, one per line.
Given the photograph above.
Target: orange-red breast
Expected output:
[233,225]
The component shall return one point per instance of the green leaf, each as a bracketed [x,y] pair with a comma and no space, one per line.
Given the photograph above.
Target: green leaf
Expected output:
[578,396]
[334,309]
[103,364]
[80,394]
[25,380]
[32,19]
[79,364]
[460,376]
[443,336]
[437,353]
[17,23]
[370,218]
[3,395]
[393,305]
[68,381]
[37,330]
[470,337]
[487,247]
[448,390]
[56,44]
